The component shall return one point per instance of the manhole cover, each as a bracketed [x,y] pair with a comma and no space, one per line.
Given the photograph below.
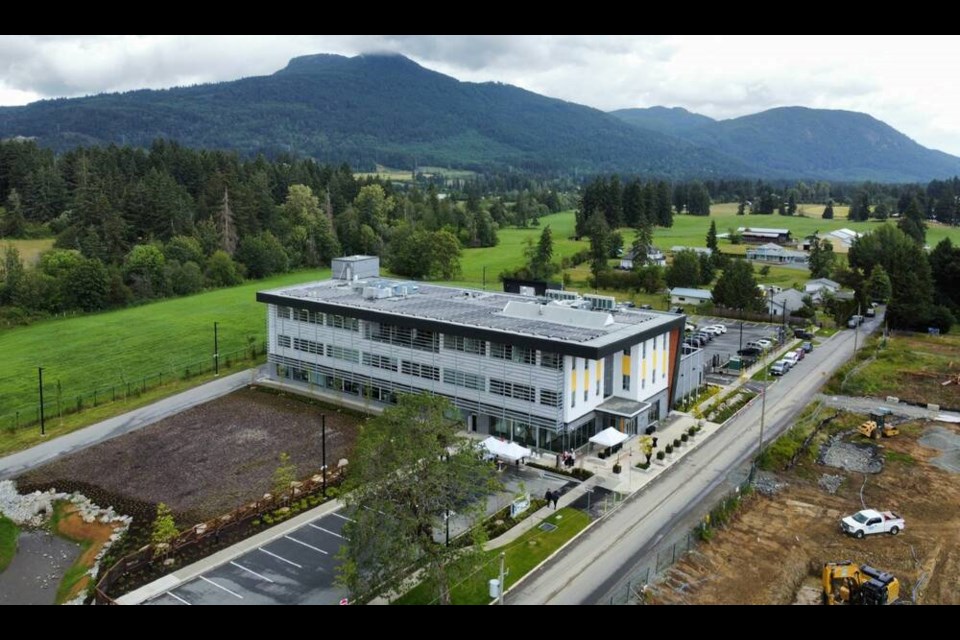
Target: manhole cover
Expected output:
[546,526]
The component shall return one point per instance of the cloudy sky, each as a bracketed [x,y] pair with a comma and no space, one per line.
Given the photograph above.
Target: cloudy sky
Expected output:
[908,82]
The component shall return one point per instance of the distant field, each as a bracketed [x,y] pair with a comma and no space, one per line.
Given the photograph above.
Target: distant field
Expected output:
[30,250]
[113,348]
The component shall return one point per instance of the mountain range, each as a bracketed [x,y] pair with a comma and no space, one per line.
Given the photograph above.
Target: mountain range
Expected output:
[386,109]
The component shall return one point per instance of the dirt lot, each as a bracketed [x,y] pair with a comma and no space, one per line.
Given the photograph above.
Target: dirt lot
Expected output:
[209,459]
[777,545]
[912,368]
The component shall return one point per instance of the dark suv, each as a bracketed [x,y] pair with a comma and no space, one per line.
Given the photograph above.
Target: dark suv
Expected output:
[803,334]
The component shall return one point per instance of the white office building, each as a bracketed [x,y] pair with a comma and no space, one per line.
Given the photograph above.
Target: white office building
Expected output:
[547,373]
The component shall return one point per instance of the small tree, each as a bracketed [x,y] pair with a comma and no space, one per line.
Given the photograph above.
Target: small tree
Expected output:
[164,528]
[285,474]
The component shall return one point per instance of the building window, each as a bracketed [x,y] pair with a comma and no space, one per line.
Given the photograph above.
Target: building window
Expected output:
[512,390]
[598,386]
[283,312]
[461,379]
[283,341]
[380,362]
[573,399]
[342,353]
[549,398]
[524,355]
[644,349]
[626,352]
[467,345]
[307,346]
[501,351]
[551,360]
[403,336]
[626,382]
[586,394]
[343,322]
[420,370]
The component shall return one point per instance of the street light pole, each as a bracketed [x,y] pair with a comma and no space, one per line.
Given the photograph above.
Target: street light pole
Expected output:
[856,331]
[323,450]
[763,407]
[40,383]
[216,351]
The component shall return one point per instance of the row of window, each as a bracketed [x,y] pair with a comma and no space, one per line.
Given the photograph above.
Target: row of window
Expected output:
[317,317]
[424,340]
[512,390]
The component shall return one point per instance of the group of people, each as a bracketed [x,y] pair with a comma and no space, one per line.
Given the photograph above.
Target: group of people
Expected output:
[567,458]
[552,496]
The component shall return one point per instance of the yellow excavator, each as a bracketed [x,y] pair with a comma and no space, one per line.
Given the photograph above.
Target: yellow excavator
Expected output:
[876,425]
[847,583]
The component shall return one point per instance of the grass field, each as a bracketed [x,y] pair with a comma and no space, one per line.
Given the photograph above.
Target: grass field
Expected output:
[117,347]
[8,541]
[30,250]
[523,555]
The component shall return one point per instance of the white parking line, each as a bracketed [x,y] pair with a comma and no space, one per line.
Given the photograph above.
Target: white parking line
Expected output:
[172,594]
[344,517]
[308,546]
[251,571]
[326,530]
[220,586]
[270,553]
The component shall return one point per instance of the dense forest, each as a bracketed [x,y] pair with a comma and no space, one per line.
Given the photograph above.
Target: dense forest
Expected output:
[133,224]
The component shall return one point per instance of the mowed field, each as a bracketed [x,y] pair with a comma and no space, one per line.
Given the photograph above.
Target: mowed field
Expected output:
[115,347]
[30,250]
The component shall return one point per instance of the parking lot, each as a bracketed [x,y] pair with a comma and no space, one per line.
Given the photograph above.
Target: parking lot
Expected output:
[725,345]
[298,567]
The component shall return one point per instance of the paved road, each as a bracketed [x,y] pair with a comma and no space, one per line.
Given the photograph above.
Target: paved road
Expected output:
[602,561]
[17,463]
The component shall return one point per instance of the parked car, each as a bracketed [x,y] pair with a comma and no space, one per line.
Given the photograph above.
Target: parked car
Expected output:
[720,328]
[854,321]
[712,330]
[778,368]
[755,344]
[788,363]
[871,312]
[646,307]
[807,346]
[792,358]
[766,344]
[803,334]
[750,351]
[871,521]
[801,354]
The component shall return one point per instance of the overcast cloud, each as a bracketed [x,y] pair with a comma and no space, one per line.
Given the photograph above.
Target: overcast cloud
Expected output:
[908,82]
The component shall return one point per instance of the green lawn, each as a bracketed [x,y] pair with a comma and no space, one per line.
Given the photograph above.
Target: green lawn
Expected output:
[8,541]
[523,555]
[112,348]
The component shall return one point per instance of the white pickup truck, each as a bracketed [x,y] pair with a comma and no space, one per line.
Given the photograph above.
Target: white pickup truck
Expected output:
[870,521]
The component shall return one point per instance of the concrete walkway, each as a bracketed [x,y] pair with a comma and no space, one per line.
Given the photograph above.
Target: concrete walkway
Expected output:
[866,405]
[17,463]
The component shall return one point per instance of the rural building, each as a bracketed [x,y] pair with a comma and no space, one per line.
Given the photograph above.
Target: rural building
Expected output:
[842,239]
[683,295]
[758,234]
[788,300]
[545,374]
[775,253]
[707,251]
[654,256]
[816,287]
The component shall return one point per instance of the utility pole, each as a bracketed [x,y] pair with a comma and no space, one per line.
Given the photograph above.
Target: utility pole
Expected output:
[503,558]
[40,383]
[763,407]
[216,351]
[323,450]
[856,332]
[484,277]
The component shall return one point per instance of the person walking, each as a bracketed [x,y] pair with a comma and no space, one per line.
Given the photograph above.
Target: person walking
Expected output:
[549,497]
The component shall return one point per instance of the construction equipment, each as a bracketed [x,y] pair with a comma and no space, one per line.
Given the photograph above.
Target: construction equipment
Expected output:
[877,426]
[846,583]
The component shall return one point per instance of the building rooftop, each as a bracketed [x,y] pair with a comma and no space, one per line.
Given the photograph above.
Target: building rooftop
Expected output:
[691,293]
[511,315]
[763,230]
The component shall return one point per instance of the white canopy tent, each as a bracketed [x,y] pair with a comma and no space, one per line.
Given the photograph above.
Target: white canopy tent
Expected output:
[506,450]
[609,437]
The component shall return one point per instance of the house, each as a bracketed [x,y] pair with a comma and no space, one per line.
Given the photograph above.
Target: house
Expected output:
[788,300]
[759,234]
[547,375]
[654,256]
[706,251]
[771,252]
[815,288]
[842,239]
[683,295]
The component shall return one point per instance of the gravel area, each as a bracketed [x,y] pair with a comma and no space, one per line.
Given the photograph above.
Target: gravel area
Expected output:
[861,458]
[768,484]
[946,441]
[830,483]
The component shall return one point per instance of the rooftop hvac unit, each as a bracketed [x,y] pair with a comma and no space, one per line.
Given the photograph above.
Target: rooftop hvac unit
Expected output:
[600,303]
[377,293]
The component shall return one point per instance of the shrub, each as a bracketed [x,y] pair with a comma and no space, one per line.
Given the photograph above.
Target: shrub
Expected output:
[692,430]
[676,443]
[669,448]
[643,465]
[684,437]
[333,492]
[660,455]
